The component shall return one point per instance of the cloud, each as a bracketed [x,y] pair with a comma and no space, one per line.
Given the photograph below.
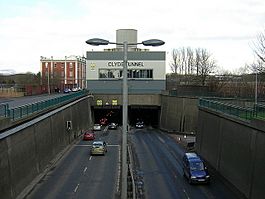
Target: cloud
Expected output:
[53,29]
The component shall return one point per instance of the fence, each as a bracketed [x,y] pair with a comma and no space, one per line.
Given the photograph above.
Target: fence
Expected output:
[28,109]
[243,113]
[3,110]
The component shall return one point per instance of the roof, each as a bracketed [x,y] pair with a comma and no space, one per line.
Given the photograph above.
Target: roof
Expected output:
[192,156]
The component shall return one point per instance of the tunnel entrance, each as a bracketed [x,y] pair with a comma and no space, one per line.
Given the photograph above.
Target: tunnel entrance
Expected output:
[148,114]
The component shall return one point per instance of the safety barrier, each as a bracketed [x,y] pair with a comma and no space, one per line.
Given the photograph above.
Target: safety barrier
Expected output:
[240,112]
[28,109]
[3,110]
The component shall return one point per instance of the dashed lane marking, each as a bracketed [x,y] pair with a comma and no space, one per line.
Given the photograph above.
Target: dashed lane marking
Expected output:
[76,188]
[85,169]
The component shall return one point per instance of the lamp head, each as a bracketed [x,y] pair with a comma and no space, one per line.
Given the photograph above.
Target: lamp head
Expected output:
[97,42]
[153,42]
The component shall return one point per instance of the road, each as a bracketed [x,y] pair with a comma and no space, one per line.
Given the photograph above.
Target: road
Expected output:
[79,175]
[157,158]
[158,164]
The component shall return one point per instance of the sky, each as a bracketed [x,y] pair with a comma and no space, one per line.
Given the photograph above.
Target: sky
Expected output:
[33,28]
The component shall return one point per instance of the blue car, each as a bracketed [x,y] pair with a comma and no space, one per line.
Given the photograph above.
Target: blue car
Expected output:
[194,169]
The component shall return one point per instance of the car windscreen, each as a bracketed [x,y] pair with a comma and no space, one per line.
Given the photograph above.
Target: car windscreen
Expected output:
[97,145]
[196,166]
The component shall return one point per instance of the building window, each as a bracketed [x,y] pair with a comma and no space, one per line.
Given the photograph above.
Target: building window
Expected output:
[71,74]
[132,74]
[62,73]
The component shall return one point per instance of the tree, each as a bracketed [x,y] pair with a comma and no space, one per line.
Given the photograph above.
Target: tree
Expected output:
[205,64]
[174,65]
[259,46]
[187,61]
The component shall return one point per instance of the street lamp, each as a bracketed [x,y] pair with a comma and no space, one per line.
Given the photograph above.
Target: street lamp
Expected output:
[256,87]
[125,44]
[46,64]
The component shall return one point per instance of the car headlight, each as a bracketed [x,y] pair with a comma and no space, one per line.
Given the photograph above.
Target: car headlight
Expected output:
[207,176]
[193,177]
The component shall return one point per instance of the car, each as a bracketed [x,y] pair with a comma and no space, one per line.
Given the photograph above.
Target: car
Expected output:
[103,121]
[139,125]
[112,125]
[97,127]
[74,89]
[67,90]
[89,135]
[98,148]
[194,169]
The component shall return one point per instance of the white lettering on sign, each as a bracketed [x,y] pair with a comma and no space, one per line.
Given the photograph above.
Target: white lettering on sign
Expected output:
[129,64]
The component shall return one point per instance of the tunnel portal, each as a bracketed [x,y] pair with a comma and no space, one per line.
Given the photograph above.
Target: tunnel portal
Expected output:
[148,114]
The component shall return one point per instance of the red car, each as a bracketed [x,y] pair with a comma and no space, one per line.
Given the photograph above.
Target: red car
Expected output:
[89,135]
[103,121]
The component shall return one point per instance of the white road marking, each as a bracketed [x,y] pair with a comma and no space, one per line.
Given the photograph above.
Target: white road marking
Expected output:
[76,188]
[86,145]
[90,157]
[85,169]
[186,194]
[163,141]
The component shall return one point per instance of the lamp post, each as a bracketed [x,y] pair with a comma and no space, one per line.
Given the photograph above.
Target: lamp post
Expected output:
[256,87]
[47,66]
[125,44]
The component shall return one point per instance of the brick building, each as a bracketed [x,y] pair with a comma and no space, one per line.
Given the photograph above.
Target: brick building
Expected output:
[68,72]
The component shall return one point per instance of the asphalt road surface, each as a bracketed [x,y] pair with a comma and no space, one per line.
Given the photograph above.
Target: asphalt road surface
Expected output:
[159,167]
[79,175]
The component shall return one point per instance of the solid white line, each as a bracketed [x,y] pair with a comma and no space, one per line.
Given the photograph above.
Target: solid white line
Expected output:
[86,145]
[76,188]
[83,145]
[85,168]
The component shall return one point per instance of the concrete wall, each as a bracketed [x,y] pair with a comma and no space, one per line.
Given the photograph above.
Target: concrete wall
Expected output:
[235,148]
[136,99]
[26,150]
[178,114]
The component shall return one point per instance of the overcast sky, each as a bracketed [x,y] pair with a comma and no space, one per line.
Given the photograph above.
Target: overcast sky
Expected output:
[33,28]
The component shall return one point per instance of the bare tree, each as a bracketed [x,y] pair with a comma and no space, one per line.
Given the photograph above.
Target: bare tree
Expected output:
[259,46]
[256,67]
[174,65]
[205,64]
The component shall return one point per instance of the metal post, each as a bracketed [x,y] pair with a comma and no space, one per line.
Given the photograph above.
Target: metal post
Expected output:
[124,124]
[48,76]
[256,88]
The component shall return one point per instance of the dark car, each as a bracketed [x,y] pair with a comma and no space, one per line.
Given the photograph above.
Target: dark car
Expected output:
[139,125]
[67,90]
[194,169]
[89,135]
[112,125]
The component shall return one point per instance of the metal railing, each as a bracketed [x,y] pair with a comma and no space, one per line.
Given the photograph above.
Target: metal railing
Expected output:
[28,109]
[240,112]
[260,111]
[3,110]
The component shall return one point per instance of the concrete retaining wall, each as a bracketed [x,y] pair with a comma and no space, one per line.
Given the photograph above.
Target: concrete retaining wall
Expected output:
[133,99]
[235,148]
[27,150]
[178,114]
